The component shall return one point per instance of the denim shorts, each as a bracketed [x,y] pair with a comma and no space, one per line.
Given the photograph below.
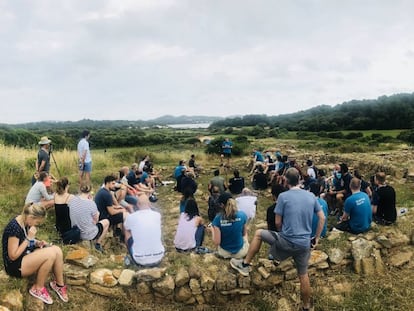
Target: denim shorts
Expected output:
[282,249]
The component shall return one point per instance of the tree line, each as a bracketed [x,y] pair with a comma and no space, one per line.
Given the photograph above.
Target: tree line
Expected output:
[384,113]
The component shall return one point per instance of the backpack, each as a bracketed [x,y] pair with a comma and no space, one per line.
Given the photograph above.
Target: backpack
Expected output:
[72,236]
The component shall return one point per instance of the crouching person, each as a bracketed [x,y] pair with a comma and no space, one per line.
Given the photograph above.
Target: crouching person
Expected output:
[143,234]
[24,255]
[84,214]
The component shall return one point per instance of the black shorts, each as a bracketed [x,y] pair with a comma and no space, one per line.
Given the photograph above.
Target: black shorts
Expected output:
[227,155]
[100,230]
[14,268]
[116,219]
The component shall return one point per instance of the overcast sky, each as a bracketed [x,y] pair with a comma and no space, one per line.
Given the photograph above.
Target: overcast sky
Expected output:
[141,59]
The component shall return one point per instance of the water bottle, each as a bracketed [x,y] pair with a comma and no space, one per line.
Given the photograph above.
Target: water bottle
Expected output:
[127,261]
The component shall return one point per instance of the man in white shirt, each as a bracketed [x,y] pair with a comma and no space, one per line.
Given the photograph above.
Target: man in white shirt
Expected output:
[247,203]
[85,159]
[143,234]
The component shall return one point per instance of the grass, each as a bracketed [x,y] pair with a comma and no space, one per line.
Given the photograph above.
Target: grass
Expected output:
[389,292]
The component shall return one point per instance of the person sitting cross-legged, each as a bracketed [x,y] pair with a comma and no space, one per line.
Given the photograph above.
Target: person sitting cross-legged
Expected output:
[357,214]
[229,229]
[190,229]
[294,211]
[143,234]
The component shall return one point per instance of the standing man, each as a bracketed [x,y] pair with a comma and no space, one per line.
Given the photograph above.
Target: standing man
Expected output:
[226,148]
[85,160]
[43,158]
[293,219]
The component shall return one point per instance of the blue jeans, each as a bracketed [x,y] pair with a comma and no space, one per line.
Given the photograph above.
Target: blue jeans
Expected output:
[199,235]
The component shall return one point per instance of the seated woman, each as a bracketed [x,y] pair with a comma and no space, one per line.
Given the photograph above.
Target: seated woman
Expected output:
[190,229]
[229,229]
[62,197]
[24,256]
[84,214]
[38,192]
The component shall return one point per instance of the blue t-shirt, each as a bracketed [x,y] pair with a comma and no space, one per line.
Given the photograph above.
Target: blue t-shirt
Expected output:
[231,231]
[358,207]
[103,199]
[178,170]
[258,156]
[227,146]
[315,219]
[297,206]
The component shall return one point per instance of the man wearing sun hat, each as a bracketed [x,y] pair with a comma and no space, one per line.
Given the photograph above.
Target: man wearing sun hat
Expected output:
[43,157]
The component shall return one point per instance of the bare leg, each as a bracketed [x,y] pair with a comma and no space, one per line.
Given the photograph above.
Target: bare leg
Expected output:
[254,246]
[39,262]
[105,225]
[58,265]
[305,290]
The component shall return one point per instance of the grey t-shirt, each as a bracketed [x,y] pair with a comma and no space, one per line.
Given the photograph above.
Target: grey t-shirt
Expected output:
[297,207]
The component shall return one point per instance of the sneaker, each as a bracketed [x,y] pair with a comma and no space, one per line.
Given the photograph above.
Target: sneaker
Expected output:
[334,212]
[41,294]
[61,291]
[99,248]
[237,264]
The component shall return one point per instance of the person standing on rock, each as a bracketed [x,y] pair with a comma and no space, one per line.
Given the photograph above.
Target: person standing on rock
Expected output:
[293,218]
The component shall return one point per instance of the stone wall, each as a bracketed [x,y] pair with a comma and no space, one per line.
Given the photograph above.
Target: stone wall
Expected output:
[215,282]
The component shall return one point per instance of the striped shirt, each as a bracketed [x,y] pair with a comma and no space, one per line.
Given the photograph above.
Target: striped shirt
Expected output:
[81,213]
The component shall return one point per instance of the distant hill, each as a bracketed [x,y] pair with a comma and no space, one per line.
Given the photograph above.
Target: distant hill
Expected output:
[91,124]
[384,113]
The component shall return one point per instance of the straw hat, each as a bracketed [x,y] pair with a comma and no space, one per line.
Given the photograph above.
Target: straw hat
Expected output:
[44,141]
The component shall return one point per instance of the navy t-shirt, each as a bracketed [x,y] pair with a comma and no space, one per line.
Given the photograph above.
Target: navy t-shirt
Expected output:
[103,199]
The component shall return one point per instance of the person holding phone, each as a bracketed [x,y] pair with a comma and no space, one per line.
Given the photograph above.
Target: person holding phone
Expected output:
[24,255]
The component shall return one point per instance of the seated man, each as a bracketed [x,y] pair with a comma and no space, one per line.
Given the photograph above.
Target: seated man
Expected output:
[315,189]
[194,166]
[357,214]
[105,201]
[38,192]
[218,181]
[236,183]
[383,203]
[247,203]
[143,235]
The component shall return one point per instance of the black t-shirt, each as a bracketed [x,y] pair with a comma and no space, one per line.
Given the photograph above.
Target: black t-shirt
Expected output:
[270,218]
[260,181]
[384,199]
[236,185]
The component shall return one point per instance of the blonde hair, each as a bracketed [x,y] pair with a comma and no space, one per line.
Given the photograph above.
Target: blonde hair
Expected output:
[33,209]
[230,209]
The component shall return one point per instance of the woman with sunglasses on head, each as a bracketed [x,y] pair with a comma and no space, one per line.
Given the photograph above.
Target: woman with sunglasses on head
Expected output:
[24,255]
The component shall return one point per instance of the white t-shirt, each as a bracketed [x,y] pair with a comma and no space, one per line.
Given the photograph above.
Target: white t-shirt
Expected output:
[311,172]
[247,204]
[185,236]
[145,227]
[83,146]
